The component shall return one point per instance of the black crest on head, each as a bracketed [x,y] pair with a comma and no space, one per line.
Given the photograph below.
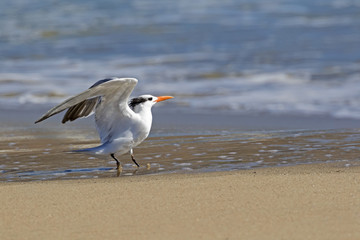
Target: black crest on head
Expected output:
[136,101]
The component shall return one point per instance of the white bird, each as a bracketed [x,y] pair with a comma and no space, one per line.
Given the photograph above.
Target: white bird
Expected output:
[121,124]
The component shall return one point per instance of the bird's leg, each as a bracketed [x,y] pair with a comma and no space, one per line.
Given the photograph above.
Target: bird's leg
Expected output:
[117,161]
[133,159]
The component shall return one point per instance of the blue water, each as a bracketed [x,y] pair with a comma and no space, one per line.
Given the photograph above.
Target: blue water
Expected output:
[280,56]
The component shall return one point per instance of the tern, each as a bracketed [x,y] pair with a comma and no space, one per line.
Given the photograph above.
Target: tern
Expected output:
[122,124]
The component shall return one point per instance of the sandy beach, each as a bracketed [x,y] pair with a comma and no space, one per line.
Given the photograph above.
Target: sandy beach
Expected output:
[301,202]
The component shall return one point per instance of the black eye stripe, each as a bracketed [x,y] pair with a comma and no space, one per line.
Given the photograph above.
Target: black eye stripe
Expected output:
[136,101]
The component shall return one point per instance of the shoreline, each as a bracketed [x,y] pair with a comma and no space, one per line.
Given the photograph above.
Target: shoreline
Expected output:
[317,201]
[178,142]
[45,154]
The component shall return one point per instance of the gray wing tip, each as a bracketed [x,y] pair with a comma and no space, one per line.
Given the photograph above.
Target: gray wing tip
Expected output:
[40,120]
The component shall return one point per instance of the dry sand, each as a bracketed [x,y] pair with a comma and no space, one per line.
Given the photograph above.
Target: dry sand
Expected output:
[301,202]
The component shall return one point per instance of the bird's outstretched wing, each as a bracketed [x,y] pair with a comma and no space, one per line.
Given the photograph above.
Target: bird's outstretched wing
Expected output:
[84,108]
[112,93]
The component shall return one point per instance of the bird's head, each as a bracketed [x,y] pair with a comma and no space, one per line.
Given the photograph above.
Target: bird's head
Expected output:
[146,101]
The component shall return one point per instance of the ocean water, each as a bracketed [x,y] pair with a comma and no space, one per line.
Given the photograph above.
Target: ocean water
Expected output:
[280,56]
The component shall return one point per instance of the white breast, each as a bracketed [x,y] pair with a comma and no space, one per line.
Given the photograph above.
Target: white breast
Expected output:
[142,127]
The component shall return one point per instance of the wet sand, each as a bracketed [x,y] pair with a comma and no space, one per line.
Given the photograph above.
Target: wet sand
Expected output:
[44,154]
[301,202]
[180,142]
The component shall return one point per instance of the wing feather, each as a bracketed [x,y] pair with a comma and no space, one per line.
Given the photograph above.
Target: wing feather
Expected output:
[80,110]
[114,94]
[84,108]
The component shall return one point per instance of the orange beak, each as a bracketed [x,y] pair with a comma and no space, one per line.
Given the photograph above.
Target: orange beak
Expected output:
[163,98]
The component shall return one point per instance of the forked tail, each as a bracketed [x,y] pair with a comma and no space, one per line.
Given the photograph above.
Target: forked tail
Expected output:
[106,149]
[95,150]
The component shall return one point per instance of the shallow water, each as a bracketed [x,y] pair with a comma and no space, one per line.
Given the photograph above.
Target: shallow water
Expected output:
[33,155]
